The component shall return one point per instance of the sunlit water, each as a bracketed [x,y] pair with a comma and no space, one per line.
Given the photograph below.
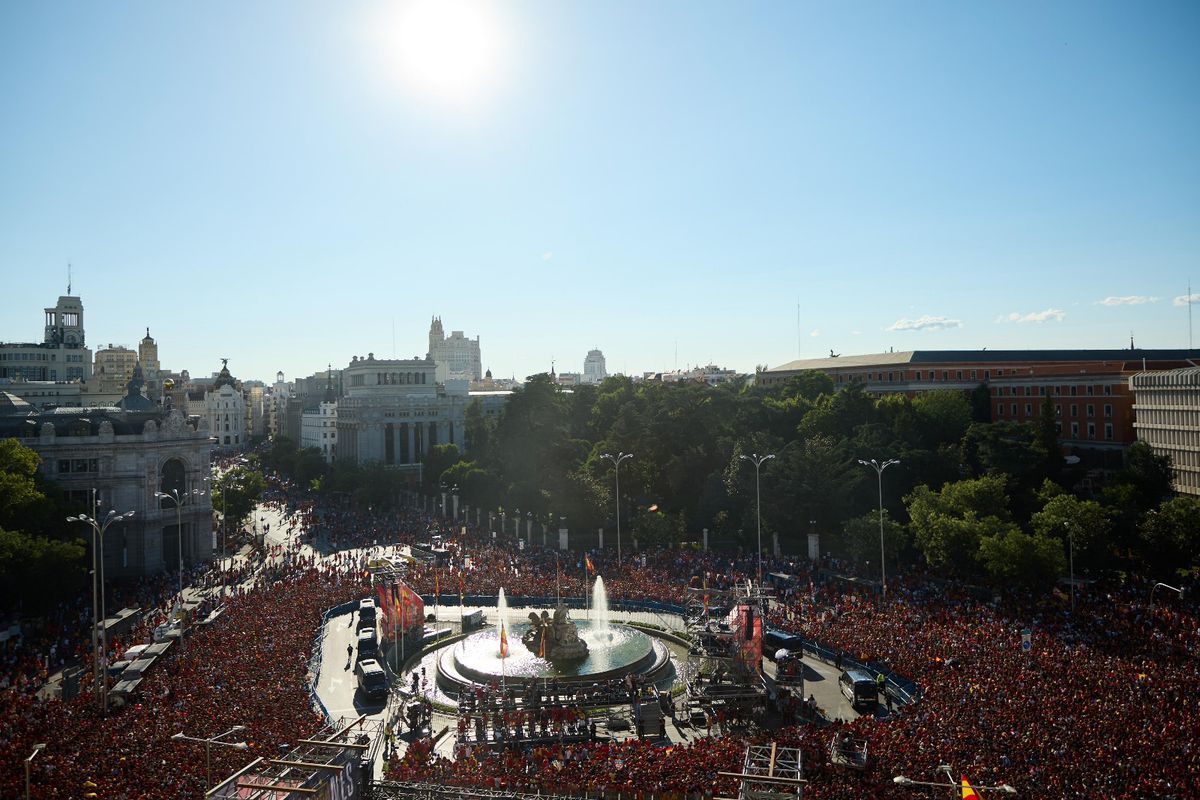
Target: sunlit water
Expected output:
[609,648]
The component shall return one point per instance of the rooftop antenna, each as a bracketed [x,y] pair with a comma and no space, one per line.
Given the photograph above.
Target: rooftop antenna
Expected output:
[69,280]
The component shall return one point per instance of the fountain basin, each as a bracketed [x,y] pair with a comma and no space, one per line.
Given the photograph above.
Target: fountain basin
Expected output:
[612,653]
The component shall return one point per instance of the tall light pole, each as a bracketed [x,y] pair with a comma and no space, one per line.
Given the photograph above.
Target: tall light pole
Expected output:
[177,498]
[208,743]
[757,461]
[98,611]
[616,460]
[37,748]
[1165,586]
[879,468]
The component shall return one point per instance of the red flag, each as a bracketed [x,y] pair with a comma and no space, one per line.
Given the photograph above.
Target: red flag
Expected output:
[587,560]
[542,646]
[503,642]
[968,792]
[437,586]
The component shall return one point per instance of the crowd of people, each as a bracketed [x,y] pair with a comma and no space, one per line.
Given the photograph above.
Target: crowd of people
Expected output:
[1103,704]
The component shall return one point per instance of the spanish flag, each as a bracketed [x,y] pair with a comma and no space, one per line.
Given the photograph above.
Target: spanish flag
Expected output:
[503,641]
[437,586]
[587,560]
[968,793]
[542,645]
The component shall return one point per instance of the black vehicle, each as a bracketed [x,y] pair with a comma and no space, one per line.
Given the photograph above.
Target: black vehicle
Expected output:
[368,644]
[366,612]
[774,640]
[372,681]
[859,688]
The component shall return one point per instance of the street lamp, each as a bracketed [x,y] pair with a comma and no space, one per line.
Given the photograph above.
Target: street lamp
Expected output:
[98,611]
[37,748]
[177,498]
[224,484]
[208,743]
[1165,586]
[879,468]
[758,460]
[952,785]
[454,499]
[616,461]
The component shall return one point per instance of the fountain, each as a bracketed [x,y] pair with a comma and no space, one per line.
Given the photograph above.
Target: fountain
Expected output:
[556,647]
[600,607]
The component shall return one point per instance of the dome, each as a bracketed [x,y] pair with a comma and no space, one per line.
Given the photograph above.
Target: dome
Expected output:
[134,400]
[223,377]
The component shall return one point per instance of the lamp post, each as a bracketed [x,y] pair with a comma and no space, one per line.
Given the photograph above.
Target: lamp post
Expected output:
[454,499]
[616,461]
[98,611]
[1071,560]
[37,748]
[879,468]
[208,743]
[177,498]
[1165,586]
[951,784]
[758,460]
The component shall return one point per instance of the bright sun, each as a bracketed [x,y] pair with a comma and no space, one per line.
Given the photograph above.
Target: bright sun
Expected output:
[449,49]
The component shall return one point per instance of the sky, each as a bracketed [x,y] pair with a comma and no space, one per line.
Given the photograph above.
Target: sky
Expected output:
[290,184]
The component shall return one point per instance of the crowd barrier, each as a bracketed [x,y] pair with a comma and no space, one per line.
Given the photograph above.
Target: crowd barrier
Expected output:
[315,660]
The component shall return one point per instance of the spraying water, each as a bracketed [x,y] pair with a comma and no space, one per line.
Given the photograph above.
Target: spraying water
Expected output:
[600,609]
[501,609]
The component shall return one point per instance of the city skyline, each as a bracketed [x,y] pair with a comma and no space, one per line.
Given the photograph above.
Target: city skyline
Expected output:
[677,184]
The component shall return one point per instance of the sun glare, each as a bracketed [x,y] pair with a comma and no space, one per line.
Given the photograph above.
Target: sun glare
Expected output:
[449,49]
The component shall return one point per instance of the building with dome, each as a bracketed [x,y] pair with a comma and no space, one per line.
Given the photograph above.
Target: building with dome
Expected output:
[121,456]
[225,411]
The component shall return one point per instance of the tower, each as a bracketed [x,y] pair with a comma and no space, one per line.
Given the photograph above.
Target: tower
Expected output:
[148,357]
[437,338]
[64,323]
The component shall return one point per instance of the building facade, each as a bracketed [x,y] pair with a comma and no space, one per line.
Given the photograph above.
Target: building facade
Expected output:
[121,458]
[62,355]
[225,410]
[148,357]
[594,370]
[318,429]
[1167,407]
[456,356]
[394,411]
[1089,390]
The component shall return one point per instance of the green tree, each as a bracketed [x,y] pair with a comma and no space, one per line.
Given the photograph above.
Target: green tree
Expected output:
[236,493]
[1170,535]
[860,538]
[440,458]
[948,526]
[37,572]
[1013,557]
[944,414]
[1086,522]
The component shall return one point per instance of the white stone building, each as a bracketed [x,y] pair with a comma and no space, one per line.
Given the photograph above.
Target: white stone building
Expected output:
[62,355]
[225,410]
[456,356]
[394,411]
[1166,406]
[318,426]
[594,370]
[124,456]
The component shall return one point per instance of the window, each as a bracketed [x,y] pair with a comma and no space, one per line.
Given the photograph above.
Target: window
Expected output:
[1107,390]
[972,374]
[1091,390]
[958,375]
[1014,409]
[999,409]
[1074,430]
[1091,430]
[1074,410]
[1074,390]
[1057,410]
[1091,410]
[1108,431]
[1029,409]
[1058,428]
[1108,409]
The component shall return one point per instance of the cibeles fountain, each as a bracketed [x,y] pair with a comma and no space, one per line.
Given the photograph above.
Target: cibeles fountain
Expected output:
[552,646]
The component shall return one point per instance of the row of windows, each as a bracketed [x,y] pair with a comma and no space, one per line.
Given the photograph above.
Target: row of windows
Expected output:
[1091,430]
[1090,410]
[29,357]
[72,465]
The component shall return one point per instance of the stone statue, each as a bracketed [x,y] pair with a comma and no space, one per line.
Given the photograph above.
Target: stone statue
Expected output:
[555,639]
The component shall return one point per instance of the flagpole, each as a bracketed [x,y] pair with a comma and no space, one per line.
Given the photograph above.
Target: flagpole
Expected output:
[587,604]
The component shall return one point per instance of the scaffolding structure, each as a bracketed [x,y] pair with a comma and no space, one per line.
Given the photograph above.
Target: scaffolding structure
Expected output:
[341,753]
[718,676]
[770,772]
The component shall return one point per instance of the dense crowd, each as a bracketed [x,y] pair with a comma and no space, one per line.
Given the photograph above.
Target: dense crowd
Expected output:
[1103,706]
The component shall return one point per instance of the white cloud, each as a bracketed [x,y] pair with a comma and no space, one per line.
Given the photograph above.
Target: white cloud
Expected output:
[1056,314]
[815,332]
[1187,299]
[924,323]
[546,256]
[1130,300]
[856,333]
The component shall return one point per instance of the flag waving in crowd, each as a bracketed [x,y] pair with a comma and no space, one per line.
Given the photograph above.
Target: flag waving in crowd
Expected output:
[968,791]
[587,561]
[503,641]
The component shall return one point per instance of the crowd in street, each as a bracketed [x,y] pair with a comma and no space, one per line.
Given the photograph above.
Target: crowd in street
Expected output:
[1103,705]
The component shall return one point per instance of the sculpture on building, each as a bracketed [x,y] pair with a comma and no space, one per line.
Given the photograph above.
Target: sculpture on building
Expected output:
[554,639]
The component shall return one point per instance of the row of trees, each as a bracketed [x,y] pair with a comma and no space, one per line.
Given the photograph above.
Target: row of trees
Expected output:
[969,498]
[41,562]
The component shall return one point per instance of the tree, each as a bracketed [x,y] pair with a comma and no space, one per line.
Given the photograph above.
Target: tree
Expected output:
[1086,522]
[1149,474]
[236,494]
[1170,535]
[439,459]
[39,572]
[944,415]
[860,538]
[1013,557]
[948,526]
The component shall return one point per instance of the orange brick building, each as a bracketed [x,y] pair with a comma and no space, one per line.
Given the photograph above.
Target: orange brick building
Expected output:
[1093,404]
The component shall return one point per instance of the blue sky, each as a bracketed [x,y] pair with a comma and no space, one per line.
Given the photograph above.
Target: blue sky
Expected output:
[267,181]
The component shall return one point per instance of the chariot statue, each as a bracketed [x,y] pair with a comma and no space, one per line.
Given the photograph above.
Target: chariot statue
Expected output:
[554,639]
